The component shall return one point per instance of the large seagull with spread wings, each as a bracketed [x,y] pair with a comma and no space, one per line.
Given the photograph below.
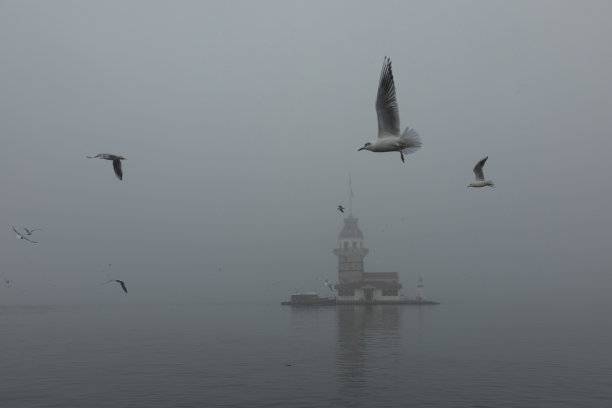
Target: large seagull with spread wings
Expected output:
[389,137]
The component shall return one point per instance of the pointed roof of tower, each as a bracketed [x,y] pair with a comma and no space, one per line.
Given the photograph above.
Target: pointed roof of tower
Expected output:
[350,230]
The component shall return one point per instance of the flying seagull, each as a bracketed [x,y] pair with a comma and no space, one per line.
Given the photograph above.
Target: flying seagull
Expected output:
[341,208]
[116,162]
[389,138]
[122,283]
[20,236]
[29,232]
[480,180]
[329,285]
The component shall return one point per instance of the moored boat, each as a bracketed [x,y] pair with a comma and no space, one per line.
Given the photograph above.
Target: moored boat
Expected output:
[308,299]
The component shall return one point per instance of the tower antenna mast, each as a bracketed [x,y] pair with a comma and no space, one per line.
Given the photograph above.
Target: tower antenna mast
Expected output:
[351,196]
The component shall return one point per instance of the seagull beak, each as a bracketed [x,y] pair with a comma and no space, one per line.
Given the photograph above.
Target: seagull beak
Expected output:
[361,149]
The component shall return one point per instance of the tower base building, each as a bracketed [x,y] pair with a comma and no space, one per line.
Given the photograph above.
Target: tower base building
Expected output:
[354,284]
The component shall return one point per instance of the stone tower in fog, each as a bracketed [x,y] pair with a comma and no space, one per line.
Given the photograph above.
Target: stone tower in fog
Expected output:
[350,252]
[354,284]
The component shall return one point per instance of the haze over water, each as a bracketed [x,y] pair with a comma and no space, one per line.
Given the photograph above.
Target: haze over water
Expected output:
[240,122]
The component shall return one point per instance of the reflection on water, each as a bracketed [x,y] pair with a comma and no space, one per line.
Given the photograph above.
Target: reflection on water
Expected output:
[368,336]
[358,322]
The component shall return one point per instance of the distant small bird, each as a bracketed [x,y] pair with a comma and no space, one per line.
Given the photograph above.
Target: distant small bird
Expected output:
[122,283]
[389,138]
[29,232]
[341,209]
[116,162]
[329,285]
[20,236]
[7,283]
[480,180]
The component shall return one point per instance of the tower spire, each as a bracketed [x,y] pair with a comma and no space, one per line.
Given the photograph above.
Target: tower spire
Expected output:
[351,196]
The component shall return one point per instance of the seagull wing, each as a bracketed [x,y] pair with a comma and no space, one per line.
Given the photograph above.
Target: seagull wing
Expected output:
[123,286]
[117,167]
[27,231]
[28,239]
[386,104]
[17,232]
[478,169]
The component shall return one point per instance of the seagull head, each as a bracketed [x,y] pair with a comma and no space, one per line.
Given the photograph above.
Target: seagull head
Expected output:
[366,146]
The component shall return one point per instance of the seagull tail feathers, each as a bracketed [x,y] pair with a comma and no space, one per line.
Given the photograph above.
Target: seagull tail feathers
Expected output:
[412,139]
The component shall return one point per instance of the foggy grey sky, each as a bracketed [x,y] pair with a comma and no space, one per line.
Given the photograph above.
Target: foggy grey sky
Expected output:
[240,122]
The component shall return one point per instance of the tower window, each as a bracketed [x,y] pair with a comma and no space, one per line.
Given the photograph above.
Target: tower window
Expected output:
[345,244]
[354,244]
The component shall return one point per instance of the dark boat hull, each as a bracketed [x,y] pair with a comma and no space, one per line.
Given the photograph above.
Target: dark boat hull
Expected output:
[318,302]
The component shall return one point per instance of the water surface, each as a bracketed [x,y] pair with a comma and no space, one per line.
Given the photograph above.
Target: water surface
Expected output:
[264,354]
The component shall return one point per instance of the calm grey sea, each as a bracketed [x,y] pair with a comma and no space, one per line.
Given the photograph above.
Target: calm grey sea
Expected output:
[267,355]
